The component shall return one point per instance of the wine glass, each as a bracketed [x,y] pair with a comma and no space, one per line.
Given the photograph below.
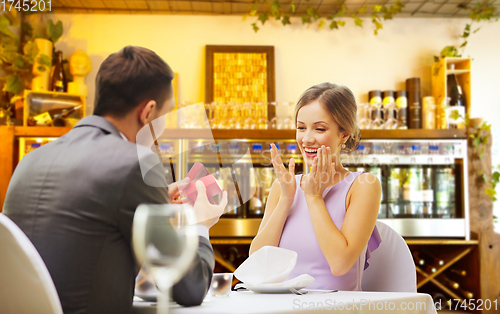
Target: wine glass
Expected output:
[166,240]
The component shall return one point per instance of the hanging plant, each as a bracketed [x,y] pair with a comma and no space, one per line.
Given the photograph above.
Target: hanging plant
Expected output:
[16,61]
[332,20]
[482,11]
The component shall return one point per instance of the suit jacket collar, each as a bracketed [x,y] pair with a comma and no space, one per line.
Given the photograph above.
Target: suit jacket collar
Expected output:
[98,122]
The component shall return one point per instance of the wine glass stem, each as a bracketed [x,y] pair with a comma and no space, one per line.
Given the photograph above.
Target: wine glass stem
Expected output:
[163,299]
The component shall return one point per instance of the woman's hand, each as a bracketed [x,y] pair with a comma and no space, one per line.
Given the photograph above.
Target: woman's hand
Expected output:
[285,178]
[321,175]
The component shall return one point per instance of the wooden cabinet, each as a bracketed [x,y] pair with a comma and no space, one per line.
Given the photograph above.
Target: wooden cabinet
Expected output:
[452,270]
[461,68]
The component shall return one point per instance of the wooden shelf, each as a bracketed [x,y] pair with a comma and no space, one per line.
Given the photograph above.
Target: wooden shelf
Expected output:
[40,131]
[290,134]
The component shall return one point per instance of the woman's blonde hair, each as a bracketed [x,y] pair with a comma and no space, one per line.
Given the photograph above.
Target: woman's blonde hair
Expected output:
[341,104]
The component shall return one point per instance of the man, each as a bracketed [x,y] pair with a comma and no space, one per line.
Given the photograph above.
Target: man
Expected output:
[75,197]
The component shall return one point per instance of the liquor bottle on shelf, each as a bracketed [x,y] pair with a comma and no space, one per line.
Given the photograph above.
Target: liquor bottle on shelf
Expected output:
[233,208]
[466,294]
[59,82]
[450,283]
[441,302]
[414,208]
[429,258]
[402,109]
[387,100]
[455,113]
[52,117]
[414,103]
[418,260]
[427,192]
[255,208]
[59,119]
[460,272]
[375,97]
[445,195]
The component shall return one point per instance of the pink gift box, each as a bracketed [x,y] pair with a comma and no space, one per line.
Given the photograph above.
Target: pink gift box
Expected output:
[199,173]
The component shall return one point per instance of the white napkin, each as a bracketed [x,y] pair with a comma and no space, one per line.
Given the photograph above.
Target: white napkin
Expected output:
[270,266]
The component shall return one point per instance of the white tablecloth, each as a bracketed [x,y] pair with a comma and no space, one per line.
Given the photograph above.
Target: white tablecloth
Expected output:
[247,302]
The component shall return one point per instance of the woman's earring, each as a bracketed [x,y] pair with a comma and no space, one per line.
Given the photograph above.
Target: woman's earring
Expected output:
[343,145]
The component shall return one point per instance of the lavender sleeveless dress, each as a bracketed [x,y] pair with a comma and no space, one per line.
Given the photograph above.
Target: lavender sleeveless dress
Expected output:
[298,235]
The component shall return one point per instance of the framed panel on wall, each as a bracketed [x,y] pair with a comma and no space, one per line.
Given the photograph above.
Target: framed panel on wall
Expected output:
[239,74]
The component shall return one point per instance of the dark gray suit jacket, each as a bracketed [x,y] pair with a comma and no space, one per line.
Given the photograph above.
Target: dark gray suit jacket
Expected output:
[75,199]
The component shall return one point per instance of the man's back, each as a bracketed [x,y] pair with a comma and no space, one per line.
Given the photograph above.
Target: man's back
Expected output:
[75,199]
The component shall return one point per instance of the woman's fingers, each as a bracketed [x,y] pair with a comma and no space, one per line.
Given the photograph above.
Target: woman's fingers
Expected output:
[332,171]
[291,166]
[279,168]
[314,168]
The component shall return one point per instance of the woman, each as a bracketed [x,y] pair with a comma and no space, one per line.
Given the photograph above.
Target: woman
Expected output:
[327,216]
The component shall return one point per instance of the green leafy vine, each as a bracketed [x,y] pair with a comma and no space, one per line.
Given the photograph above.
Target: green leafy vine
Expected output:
[332,20]
[479,140]
[482,11]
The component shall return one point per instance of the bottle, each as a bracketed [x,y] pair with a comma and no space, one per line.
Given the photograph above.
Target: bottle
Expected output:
[402,109]
[375,97]
[427,192]
[466,294]
[429,113]
[414,105]
[59,82]
[233,200]
[451,283]
[429,258]
[394,188]
[414,208]
[255,209]
[418,260]
[443,193]
[440,301]
[460,272]
[456,110]
[58,119]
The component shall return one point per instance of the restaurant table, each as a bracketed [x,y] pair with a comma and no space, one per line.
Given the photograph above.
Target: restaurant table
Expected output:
[247,302]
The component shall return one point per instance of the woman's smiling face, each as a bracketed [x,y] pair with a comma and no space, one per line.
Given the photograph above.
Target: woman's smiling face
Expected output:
[316,127]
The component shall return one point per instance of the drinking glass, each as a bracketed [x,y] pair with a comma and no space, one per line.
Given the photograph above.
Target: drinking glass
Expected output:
[364,120]
[391,122]
[166,240]
[377,122]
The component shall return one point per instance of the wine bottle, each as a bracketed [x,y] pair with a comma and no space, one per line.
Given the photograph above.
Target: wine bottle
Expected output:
[466,294]
[59,82]
[414,103]
[429,259]
[451,283]
[255,209]
[233,205]
[402,108]
[460,272]
[455,112]
[440,301]
[418,260]
[58,119]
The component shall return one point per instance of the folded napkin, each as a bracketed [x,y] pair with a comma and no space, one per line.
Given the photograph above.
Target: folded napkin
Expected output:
[270,266]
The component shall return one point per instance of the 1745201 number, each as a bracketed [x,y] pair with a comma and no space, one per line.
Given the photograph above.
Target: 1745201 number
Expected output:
[26,5]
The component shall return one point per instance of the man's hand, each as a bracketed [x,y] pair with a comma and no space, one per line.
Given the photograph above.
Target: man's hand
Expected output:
[207,214]
[174,191]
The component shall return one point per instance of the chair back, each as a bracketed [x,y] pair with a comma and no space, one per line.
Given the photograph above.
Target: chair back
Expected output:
[391,266]
[25,282]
